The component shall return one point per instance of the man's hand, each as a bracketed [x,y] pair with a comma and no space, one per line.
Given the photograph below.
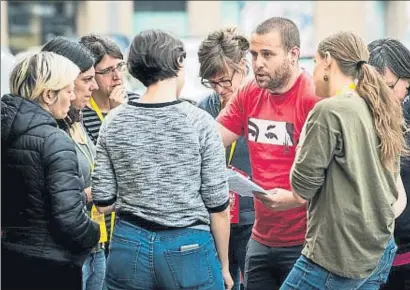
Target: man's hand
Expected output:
[117,96]
[280,199]
[227,279]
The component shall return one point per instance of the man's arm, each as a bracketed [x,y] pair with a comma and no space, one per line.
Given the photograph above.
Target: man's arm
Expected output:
[228,137]
[232,119]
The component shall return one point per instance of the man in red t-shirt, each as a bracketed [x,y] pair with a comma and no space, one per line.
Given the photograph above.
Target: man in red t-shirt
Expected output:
[270,112]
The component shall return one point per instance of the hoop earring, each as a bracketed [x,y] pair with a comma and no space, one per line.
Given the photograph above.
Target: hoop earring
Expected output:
[326,78]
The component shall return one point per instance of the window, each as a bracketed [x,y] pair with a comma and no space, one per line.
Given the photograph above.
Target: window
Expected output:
[31,24]
[301,12]
[156,6]
[170,16]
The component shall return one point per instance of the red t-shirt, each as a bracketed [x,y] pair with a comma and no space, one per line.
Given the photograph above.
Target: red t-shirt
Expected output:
[272,125]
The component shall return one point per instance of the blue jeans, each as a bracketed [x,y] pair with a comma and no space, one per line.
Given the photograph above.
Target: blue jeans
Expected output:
[307,275]
[170,259]
[240,235]
[94,271]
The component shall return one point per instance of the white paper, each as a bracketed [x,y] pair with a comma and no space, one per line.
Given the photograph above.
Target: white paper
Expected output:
[242,185]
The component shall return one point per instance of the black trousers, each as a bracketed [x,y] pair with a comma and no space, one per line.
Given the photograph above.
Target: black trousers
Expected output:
[19,272]
[399,278]
[266,268]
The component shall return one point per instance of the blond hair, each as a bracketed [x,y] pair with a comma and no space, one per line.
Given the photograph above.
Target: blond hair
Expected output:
[351,54]
[40,71]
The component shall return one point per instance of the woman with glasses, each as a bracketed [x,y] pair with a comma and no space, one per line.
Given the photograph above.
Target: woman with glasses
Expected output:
[223,68]
[109,74]
[110,68]
[160,164]
[392,59]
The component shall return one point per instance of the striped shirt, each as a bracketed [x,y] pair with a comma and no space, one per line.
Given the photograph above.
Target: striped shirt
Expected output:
[92,122]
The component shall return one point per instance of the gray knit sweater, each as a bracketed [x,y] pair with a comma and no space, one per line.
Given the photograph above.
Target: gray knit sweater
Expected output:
[161,163]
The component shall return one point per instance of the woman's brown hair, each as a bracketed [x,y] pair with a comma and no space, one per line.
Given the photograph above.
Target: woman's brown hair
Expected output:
[351,54]
[221,50]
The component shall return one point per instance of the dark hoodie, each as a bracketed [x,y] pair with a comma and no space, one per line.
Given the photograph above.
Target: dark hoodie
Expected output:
[240,159]
[42,202]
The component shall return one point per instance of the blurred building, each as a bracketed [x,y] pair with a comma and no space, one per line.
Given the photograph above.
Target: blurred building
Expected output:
[25,24]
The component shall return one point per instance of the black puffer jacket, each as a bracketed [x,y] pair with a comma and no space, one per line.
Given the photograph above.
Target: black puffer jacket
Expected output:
[42,203]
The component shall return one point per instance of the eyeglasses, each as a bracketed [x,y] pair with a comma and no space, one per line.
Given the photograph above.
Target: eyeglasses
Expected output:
[223,84]
[121,67]
[392,86]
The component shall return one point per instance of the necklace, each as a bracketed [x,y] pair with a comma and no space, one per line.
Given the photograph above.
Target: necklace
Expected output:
[349,87]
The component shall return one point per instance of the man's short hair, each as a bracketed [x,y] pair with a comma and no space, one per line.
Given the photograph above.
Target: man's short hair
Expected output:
[101,46]
[288,30]
[155,56]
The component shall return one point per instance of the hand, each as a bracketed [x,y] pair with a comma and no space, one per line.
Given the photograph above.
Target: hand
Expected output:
[227,279]
[88,194]
[279,199]
[269,200]
[117,96]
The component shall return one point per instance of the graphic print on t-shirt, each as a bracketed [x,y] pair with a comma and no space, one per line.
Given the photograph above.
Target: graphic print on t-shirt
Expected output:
[270,132]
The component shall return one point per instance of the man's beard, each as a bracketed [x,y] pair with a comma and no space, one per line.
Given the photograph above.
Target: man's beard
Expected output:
[281,77]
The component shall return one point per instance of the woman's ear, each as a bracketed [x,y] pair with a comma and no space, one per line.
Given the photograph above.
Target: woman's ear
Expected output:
[328,60]
[48,97]
[244,65]
[181,59]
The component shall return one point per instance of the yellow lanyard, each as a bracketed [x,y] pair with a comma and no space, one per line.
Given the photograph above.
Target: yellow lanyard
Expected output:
[232,151]
[350,87]
[233,145]
[96,109]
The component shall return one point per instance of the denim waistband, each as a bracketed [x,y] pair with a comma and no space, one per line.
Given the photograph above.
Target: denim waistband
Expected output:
[171,233]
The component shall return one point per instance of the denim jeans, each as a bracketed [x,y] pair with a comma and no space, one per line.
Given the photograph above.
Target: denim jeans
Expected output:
[169,259]
[307,275]
[266,267]
[94,271]
[240,235]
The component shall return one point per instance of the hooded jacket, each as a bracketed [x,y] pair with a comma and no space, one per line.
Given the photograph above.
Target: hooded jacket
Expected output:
[43,203]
